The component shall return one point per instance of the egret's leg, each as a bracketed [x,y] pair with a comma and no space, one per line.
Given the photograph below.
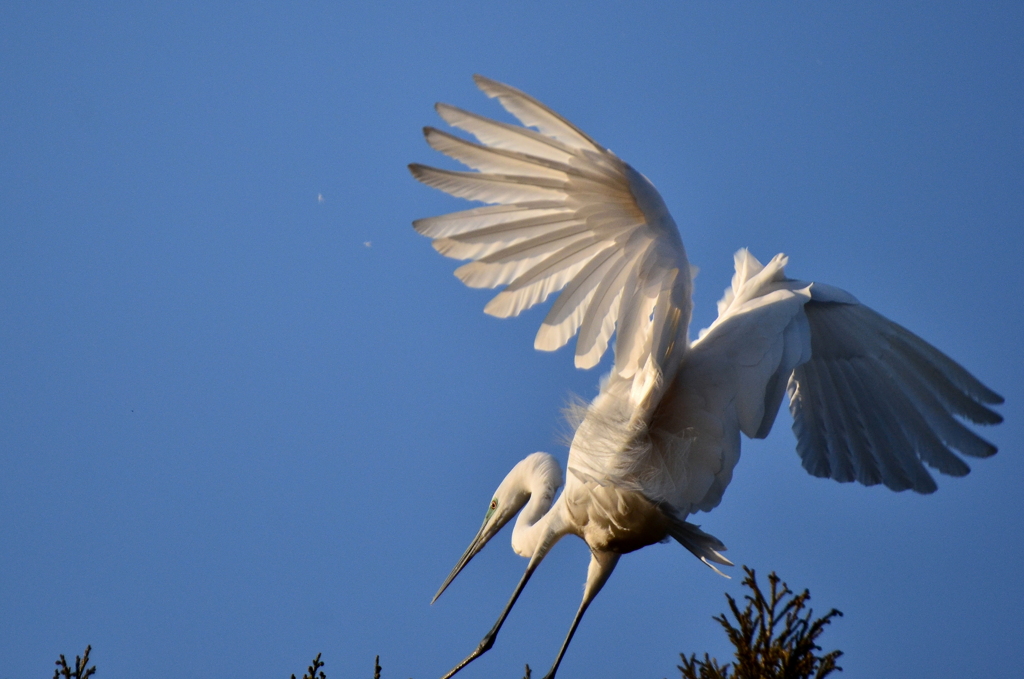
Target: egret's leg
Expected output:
[488,640]
[601,566]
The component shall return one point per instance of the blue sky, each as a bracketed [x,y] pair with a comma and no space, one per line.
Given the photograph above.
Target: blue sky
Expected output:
[247,414]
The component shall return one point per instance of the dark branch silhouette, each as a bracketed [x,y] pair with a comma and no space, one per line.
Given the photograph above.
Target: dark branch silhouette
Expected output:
[81,669]
[773,636]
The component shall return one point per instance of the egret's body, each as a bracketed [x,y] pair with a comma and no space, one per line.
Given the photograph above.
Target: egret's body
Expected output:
[871,401]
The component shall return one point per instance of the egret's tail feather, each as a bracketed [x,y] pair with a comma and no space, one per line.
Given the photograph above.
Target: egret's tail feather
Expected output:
[704,546]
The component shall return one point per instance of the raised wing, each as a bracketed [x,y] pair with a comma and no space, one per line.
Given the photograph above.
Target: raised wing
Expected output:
[876,401]
[871,401]
[567,215]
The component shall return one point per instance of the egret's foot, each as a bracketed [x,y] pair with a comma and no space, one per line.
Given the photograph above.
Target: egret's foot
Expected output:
[554,668]
[487,642]
[485,645]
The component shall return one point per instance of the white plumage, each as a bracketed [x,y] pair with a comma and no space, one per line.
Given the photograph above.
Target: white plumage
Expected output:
[871,401]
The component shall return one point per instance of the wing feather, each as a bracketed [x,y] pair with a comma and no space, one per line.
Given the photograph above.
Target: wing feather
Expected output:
[837,463]
[489,188]
[498,161]
[809,427]
[532,113]
[512,263]
[889,443]
[940,420]
[851,456]
[566,314]
[489,240]
[599,321]
[549,276]
[952,395]
[468,221]
[962,381]
[500,135]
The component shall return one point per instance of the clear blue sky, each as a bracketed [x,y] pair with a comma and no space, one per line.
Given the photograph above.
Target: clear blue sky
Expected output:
[240,425]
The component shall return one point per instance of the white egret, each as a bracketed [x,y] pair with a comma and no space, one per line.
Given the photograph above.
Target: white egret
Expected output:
[871,401]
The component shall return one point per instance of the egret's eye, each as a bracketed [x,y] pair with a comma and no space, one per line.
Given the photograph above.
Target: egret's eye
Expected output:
[494,505]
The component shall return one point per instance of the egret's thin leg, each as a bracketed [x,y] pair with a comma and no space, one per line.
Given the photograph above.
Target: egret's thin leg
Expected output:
[601,566]
[489,638]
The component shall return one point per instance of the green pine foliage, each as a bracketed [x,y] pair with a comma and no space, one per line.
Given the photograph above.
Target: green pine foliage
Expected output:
[774,637]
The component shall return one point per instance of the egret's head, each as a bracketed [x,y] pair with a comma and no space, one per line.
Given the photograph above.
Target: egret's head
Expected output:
[537,473]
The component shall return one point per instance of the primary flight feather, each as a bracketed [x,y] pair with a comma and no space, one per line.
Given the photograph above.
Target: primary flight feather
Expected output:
[871,401]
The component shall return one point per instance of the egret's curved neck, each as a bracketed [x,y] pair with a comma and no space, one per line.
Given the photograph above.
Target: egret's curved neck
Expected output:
[538,483]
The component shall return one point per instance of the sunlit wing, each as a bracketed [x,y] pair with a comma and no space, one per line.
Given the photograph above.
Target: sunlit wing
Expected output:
[871,401]
[567,216]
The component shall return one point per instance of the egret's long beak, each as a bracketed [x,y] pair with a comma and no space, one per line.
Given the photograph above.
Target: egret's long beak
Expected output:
[482,536]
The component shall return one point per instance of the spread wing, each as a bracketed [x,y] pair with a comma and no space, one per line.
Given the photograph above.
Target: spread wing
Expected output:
[567,215]
[875,401]
[871,402]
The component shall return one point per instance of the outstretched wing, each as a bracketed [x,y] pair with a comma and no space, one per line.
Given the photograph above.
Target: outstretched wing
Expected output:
[875,401]
[871,401]
[567,215]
